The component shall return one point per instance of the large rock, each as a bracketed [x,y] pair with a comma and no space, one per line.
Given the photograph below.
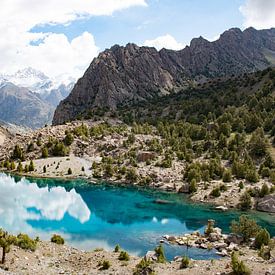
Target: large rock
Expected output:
[234,238]
[131,74]
[144,156]
[267,204]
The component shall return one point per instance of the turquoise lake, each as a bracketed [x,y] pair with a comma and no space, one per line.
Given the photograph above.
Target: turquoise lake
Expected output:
[101,216]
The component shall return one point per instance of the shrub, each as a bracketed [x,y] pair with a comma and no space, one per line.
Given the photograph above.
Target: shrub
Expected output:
[160,254]
[45,152]
[124,256]
[20,167]
[264,190]
[262,238]
[227,176]
[117,248]
[143,267]
[245,201]
[193,186]
[239,268]
[215,192]
[252,175]
[131,175]
[105,265]
[265,252]
[185,262]
[18,153]
[25,242]
[57,239]
[69,139]
[241,185]
[31,166]
[246,227]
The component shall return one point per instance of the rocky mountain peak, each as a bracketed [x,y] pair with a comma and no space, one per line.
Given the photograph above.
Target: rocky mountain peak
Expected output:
[131,74]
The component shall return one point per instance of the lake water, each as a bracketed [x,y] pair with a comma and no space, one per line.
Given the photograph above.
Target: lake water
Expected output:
[101,216]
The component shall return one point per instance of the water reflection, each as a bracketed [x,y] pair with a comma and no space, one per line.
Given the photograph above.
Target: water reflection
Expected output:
[21,202]
[91,216]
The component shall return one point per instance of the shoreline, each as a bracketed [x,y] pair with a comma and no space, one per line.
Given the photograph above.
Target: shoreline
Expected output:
[94,181]
[50,258]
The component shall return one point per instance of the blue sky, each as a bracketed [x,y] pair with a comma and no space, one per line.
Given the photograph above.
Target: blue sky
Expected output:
[183,19]
[61,37]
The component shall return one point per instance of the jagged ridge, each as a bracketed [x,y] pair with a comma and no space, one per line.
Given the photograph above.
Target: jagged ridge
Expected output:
[122,75]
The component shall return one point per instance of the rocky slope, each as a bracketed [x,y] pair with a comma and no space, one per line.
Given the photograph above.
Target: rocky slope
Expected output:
[22,107]
[130,74]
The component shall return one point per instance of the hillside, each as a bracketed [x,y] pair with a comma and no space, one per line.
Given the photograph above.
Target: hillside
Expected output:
[213,142]
[22,107]
[131,74]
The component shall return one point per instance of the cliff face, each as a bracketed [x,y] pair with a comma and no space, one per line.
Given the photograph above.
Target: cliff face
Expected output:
[125,75]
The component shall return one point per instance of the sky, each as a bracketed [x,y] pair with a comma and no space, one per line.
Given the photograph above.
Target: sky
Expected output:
[61,37]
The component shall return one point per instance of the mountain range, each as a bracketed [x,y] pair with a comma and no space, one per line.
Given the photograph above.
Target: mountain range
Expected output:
[131,74]
[29,97]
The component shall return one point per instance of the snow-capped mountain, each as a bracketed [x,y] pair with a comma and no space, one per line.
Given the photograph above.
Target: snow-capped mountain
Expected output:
[28,97]
[51,90]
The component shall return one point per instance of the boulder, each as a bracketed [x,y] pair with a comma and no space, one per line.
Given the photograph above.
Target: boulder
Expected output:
[144,156]
[234,238]
[172,238]
[184,188]
[213,237]
[232,246]
[151,256]
[267,204]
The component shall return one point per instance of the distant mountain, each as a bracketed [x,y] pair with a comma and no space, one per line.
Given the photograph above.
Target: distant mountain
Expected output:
[126,75]
[38,91]
[22,107]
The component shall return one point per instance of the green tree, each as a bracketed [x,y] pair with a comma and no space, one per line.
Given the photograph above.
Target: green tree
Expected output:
[20,167]
[31,166]
[192,186]
[227,176]
[239,268]
[264,190]
[262,238]
[69,139]
[245,201]
[6,241]
[45,152]
[246,227]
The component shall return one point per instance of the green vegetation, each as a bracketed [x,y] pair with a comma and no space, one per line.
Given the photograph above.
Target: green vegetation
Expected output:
[25,242]
[185,262]
[105,265]
[160,254]
[57,239]
[144,267]
[239,268]
[262,238]
[245,201]
[246,227]
[124,256]
[6,241]
[117,248]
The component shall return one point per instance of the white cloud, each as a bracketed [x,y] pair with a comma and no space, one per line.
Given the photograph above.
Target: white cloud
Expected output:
[55,54]
[19,200]
[166,41]
[259,14]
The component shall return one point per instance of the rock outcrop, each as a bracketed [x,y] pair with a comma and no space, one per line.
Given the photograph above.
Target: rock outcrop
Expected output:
[267,204]
[131,74]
